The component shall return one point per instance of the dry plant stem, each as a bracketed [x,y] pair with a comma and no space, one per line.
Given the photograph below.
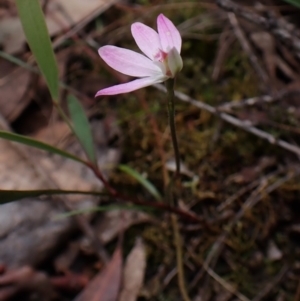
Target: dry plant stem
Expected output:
[284,31]
[170,188]
[179,258]
[255,197]
[251,186]
[230,288]
[217,247]
[247,48]
[280,95]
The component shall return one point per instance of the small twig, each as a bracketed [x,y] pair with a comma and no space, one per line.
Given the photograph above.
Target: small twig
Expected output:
[244,189]
[247,48]
[224,44]
[242,124]
[80,25]
[228,106]
[217,278]
[255,197]
[288,37]
[179,258]
[226,285]
[246,102]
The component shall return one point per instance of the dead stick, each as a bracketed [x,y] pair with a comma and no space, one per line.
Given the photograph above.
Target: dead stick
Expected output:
[242,124]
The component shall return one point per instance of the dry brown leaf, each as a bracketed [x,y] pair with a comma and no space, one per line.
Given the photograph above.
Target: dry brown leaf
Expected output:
[134,272]
[61,16]
[14,83]
[106,285]
[266,43]
[32,224]
[250,173]
[109,226]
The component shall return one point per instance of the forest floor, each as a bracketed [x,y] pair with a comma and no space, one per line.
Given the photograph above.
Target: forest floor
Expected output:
[237,117]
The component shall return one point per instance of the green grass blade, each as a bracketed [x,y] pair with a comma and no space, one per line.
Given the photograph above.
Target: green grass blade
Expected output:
[144,182]
[293,2]
[38,39]
[81,127]
[7,196]
[38,144]
[18,62]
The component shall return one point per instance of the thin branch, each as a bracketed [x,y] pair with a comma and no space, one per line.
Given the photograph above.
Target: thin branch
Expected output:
[242,124]
[226,284]
[279,28]
[255,197]
[179,258]
[247,48]
[228,106]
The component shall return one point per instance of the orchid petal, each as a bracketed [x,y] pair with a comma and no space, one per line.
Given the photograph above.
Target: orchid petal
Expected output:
[146,38]
[168,34]
[131,86]
[128,62]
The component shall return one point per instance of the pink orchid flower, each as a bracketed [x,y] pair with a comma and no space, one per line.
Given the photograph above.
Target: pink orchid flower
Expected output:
[162,60]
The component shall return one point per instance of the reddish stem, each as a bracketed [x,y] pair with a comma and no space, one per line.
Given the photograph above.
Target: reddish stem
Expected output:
[160,206]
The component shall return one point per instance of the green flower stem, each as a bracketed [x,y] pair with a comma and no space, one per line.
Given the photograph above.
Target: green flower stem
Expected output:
[171,112]
[169,191]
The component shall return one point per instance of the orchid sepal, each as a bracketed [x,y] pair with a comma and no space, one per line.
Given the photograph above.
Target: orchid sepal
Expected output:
[161,61]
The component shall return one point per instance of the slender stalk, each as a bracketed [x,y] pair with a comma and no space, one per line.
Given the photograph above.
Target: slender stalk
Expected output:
[171,112]
[169,191]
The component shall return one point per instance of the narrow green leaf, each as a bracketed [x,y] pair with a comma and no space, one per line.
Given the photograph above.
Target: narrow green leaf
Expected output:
[38,144]
[7,196]
[37,36]
[27,66]
[144,182]
[81,127]
[18,62]
[293,2]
